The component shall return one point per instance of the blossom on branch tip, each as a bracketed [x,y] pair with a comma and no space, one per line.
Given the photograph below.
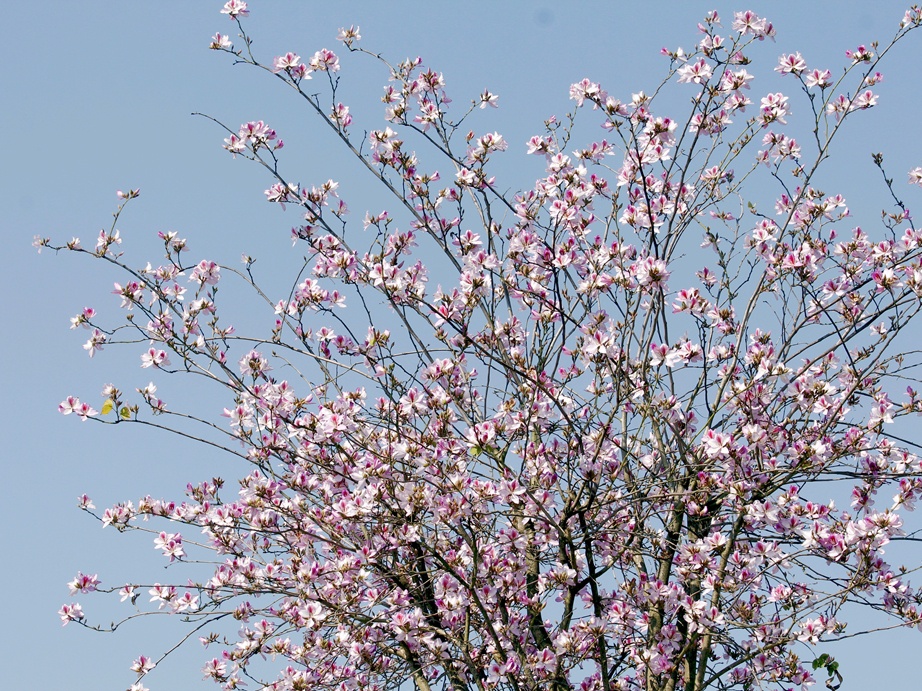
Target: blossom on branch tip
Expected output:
[143,665]
[206,272]
[791,64]
[83,583]
[73,405]
[324,61]
[349,36]
[170,544]
[749,23]
[864,100]
[235,8]
[83,319]
[859,54]
[154,358]
[697,72]
[488,99]
[69,613]
[818,78]
[220,42]
[291,63]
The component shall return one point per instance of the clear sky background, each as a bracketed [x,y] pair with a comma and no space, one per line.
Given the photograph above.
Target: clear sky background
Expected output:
[96,96]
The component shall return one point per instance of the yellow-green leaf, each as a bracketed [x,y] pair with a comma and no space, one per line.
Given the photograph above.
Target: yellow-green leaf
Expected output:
[108,406]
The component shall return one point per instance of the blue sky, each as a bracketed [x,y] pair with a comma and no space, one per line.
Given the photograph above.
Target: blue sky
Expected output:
[97,96]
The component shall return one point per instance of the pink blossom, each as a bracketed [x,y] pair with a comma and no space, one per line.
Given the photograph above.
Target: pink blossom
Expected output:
[864,100]
[750,23]
[170,544]
[73,405]
[206,272]
[324,61]
[859,54]
[349,36]
[215,669]
[83,583]
[69,613]
[697,72]
[254,364]
[235,8]
[791,64]
[143,665]
[220,42]
[95,342]
[818,78]
[288,61]
[774,108]
[83,319]
[154,358]
[587,91]
[488,99]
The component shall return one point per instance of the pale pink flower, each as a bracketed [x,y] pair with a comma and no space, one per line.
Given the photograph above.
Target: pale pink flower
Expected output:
[818,78]
[253,363]
[154,358]
[488,99]
[651,273]
[170,544]
[73,405]
[83,318]
[860,54]
[95,342]
[220,42]
[206,272]
[865,100]
[235,8]
[791,64]
[215,669]
[349,36]
[774,108]
[69,613]
[285,62]
[83,583]
[587,91]
[750,23]
[143,665]
[324,61]
[697,72]
[235,144]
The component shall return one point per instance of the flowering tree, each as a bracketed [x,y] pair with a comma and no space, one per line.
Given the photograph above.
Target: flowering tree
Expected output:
[527,441]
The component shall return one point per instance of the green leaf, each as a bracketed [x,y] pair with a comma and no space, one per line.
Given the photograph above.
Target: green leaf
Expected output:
[125,413]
